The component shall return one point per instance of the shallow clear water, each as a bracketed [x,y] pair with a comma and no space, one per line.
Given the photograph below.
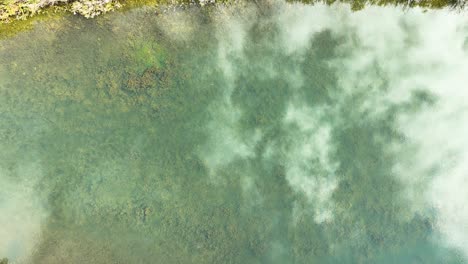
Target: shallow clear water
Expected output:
[286,134]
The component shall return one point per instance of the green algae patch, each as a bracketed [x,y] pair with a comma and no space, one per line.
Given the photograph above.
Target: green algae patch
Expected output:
[52,15]
[149,55]
[11,10]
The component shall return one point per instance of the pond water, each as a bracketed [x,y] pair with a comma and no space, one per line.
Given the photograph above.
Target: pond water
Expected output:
[241,134]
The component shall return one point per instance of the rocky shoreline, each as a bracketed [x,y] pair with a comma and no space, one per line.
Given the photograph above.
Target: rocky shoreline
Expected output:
[13,10]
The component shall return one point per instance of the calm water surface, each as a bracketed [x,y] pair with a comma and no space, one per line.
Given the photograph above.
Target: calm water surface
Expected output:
[287,134]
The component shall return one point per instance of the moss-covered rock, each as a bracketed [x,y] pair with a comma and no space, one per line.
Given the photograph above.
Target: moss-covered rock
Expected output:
[22,9]
[92,8]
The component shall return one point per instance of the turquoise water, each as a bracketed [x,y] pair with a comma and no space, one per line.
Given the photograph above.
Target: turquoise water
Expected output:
[285,134]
